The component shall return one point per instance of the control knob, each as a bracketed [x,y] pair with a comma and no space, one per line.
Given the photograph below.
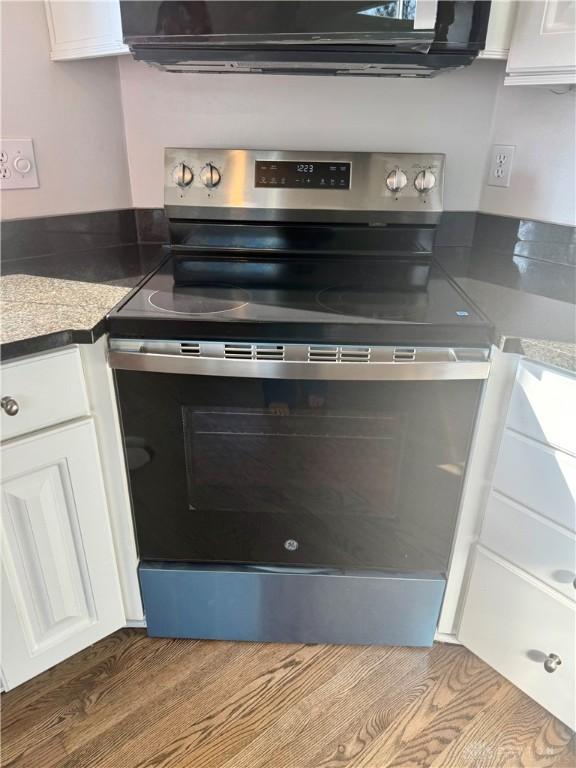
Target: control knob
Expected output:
[210,176]
[182,175]
[396,180]
[424,181]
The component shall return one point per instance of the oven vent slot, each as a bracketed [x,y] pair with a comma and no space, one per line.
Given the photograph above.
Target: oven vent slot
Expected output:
[404,355]
[238,351]
[355,354]
[269,352]
[190,348]
[325,354]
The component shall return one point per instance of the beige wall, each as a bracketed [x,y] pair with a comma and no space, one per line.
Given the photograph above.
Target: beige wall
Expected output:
[451,113]
[72,110]
[542,126]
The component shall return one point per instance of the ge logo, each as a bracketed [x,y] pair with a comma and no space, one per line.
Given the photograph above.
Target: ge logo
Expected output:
[291,545]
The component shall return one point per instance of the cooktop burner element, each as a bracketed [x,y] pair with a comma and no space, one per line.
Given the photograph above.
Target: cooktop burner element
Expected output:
[375,305]
[200,299]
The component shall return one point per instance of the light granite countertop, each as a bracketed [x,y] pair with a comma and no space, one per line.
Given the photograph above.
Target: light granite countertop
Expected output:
[562,354]
[38,306]
[65,299]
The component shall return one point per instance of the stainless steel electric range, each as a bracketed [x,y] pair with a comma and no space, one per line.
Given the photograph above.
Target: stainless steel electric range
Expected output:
[298,385]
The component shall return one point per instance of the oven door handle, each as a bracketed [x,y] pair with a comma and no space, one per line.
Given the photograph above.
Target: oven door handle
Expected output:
[454,367]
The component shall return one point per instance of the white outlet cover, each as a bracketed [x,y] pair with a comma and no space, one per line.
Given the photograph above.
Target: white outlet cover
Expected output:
[501,160]
[17,164]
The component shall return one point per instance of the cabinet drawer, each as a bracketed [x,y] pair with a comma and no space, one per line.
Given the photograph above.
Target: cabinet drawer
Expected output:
[540,406]
[48,390]
[538,477]
[513,625]
[531,542]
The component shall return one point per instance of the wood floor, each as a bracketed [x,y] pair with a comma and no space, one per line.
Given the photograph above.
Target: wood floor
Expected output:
[135,702]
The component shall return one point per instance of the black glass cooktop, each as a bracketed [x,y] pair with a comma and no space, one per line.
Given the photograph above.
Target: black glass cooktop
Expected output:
[160,308]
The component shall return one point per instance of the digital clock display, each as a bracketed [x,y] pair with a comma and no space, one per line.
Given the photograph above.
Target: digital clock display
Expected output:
[278,174]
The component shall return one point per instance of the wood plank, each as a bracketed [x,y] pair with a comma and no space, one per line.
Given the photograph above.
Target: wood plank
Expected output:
[217,717]
[139,702]
[322,714]
[394,723]
[24,696]
[122,706]
[107,691]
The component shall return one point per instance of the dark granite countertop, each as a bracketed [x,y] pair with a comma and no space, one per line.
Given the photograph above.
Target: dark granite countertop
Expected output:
[62,275]
[522,275]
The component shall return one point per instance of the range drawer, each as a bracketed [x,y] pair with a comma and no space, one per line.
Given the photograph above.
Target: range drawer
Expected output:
[539,477]
[514,625]
[528,540]
[47,390]
[540,405]
[289,605]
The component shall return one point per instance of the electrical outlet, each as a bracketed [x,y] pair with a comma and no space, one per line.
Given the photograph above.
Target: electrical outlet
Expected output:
[501,165]
[17,164]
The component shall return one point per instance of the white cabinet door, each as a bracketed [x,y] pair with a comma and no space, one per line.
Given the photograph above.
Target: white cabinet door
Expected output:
[524,630]
[518,612]
[543,48]
[60,586]
[84,30]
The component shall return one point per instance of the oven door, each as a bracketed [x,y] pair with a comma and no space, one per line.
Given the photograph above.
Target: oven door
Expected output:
[318,464]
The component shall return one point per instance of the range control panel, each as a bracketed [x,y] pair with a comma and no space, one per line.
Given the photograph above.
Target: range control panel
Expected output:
[294,174]
[238,180]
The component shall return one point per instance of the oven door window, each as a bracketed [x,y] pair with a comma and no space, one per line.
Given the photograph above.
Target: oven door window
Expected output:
[339,474]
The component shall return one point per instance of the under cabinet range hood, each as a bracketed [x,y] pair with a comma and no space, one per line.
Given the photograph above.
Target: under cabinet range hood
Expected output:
[382,38]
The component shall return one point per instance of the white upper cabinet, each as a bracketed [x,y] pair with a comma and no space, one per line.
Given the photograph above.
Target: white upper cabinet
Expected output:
[543,48]
[500,28]
[84,30]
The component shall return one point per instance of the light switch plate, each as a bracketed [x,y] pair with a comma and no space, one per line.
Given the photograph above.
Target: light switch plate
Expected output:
[17,164]
[500,169]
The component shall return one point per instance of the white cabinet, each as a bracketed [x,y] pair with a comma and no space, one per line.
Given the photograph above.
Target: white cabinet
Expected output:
[518,611]
[523,630]
[500,29]
[543,46]
[84,30]
[65,522]
[60,587]
[42,390]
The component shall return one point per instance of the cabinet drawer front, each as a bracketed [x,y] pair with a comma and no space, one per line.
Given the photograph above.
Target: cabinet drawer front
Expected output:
[48,390]
[531,542]
[540,406]
[538,477]
[513,625]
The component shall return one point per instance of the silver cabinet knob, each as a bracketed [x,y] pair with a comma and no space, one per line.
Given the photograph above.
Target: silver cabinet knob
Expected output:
[9,405]
[396,180]
[210,176]
[552,662]
[424,181]
[182,175]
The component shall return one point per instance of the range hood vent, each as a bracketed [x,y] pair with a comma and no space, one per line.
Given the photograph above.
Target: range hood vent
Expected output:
[396,38]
